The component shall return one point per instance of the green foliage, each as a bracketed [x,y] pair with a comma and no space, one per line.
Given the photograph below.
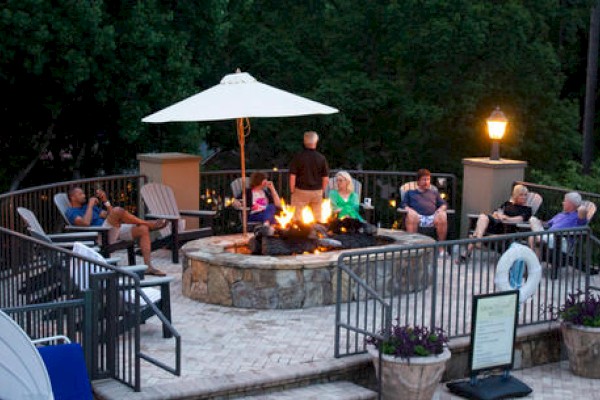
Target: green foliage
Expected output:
[414,80]
[569,175]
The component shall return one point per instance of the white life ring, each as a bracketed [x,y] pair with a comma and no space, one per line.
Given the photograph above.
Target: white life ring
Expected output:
[534,270]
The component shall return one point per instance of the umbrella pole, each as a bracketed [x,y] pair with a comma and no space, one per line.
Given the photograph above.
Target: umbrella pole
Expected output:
[241,138]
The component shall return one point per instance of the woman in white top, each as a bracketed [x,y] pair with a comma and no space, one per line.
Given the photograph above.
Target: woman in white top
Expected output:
[262,199]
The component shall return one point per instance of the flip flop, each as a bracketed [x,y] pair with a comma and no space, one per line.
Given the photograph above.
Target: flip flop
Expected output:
[154,271]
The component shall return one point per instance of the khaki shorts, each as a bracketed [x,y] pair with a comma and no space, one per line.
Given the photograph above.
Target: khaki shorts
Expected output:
[311,198]
[123,232]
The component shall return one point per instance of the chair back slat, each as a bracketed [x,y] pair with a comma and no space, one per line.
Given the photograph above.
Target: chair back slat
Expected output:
[236,187]
[33,225]
[534,200]
[61,200]
[591,209]
[333,185]
[160,199]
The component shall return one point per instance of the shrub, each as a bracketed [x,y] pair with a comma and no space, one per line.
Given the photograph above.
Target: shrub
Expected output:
[408,341]
[580,310]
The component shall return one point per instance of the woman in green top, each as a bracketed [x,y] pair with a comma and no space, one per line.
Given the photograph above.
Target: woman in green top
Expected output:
[344,201]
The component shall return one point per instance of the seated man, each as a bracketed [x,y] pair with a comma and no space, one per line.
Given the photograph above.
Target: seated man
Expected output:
[425,207]
[573,215]
[123,225]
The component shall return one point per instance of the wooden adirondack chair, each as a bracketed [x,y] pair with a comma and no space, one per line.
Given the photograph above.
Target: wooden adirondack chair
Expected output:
[161,204]
[81,268]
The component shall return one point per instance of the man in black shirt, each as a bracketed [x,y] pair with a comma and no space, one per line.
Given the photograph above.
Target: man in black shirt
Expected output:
[309,176]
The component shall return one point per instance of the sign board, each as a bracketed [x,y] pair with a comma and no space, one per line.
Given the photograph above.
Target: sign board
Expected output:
[493,331]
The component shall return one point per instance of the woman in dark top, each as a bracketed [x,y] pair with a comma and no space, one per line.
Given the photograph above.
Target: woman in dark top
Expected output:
[513,211]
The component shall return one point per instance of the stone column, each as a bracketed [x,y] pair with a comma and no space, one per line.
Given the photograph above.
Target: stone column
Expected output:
[486,184]
[179,171]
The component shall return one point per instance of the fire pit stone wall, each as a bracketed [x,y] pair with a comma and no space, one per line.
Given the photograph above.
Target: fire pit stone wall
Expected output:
[213,272]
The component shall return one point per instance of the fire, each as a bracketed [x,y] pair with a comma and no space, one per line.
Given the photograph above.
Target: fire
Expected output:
[307,216]
[325,211]
[286,215]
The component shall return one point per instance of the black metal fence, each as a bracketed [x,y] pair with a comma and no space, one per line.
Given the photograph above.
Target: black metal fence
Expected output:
[50,291]
[122,190]
[418,285]
[383,187]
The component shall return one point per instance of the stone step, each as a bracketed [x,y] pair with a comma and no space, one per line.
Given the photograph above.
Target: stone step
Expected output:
[259,383]
[341,390]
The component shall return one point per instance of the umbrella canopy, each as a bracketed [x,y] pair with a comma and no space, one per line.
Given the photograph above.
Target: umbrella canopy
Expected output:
[239,96]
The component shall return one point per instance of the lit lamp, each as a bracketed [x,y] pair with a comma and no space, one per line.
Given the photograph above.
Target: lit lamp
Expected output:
[496,124]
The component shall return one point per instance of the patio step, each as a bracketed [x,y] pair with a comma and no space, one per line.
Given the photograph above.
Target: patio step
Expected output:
[327,379]
[341,390]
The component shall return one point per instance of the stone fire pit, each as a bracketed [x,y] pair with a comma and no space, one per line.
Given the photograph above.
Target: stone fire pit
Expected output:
[218,270]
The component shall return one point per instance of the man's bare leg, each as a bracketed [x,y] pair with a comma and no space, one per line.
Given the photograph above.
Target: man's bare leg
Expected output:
[118,216]
[412,221]
[440,221]
[141,232]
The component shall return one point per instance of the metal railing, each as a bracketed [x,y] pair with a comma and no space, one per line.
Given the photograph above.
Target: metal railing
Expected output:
[418,285]
[122,190]
[45,286]
[383,187]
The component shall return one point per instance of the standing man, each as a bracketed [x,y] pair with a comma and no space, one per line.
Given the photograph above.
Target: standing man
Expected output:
[309,176]
[425,207]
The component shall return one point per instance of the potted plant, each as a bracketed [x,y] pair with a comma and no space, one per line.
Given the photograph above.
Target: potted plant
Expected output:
[413,361]
[580,328]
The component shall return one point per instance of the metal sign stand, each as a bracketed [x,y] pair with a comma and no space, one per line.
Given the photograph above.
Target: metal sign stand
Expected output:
[493,336]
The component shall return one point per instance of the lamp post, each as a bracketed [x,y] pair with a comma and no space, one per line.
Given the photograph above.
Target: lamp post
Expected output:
[496,124]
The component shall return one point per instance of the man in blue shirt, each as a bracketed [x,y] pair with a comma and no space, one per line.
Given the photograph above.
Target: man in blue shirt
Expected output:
[572,216]
[425,207]
[123,225]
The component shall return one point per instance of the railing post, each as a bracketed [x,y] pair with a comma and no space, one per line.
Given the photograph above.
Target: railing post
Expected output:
[89,343]
[434,294]
[588,257]
[338,312]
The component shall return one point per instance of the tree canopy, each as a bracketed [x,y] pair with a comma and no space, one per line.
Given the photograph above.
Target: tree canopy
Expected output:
[414,80]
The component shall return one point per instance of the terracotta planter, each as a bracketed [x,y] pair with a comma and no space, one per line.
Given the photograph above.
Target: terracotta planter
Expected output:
[583,347]
[415,378]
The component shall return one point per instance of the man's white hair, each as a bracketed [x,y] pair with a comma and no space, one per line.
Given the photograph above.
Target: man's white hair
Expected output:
[311,137]
[574,198]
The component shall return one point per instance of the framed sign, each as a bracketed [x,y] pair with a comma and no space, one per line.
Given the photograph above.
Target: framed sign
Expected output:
[493,331]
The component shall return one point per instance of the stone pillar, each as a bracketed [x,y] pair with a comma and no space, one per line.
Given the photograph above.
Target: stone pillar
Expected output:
[487,184]
[179,171]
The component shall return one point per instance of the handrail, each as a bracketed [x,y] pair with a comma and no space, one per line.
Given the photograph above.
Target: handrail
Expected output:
[25,267]
[176,370]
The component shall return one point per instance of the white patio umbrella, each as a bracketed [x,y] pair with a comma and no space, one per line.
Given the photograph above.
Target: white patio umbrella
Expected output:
[239,96]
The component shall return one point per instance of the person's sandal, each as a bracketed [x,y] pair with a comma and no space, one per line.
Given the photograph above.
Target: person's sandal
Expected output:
[462,259]
[154,271]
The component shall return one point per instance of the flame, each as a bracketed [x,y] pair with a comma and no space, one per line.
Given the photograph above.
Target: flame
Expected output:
[325,211]
[307,216]
[393,203]
[286,215]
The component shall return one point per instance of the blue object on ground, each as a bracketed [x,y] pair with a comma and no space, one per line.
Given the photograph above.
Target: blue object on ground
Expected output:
[67,371]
